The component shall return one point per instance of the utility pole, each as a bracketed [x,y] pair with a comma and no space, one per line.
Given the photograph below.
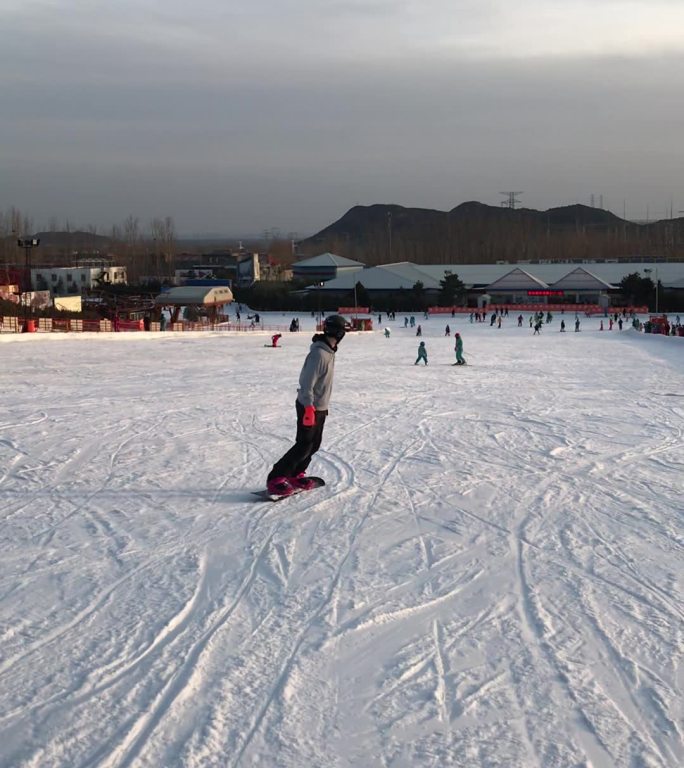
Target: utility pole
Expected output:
[389,234]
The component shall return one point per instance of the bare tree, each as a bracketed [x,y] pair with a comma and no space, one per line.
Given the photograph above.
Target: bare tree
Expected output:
[164,238]
[131,241]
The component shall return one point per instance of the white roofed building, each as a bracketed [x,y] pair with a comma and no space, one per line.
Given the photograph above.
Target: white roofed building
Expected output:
[71,280]
[205,299]
[325,266]
[508,283]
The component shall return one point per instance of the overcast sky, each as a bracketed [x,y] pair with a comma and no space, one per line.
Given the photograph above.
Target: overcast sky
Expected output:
[237,117]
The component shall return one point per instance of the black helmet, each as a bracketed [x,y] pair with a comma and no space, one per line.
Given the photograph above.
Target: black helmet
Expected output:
[335,326]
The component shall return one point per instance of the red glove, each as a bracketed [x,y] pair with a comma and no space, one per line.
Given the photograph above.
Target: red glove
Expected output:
[309,418]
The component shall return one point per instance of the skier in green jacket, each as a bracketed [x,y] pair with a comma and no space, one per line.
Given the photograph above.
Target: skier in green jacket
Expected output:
[458,348]
[422,354]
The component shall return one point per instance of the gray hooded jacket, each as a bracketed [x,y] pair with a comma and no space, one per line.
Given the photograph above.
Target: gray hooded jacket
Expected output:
[316,378]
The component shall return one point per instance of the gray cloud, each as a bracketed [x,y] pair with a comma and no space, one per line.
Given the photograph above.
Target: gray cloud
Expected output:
[235,117]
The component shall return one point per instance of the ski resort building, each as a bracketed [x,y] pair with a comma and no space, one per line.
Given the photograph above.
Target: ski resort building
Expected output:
[326,266]
[207,300]
[71,280]
[553,282]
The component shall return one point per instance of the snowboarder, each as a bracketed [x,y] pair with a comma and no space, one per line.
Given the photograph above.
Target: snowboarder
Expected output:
[313,396]
[458,348]
[422,354]
[275,338]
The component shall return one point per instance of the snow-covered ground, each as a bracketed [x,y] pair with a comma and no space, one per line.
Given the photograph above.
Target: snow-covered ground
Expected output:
[492,576]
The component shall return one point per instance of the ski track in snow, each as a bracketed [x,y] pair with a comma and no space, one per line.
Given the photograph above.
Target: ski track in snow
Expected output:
[491,577]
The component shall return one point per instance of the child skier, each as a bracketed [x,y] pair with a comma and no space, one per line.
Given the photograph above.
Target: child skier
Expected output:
[458,348]
[422,354]
[313,396]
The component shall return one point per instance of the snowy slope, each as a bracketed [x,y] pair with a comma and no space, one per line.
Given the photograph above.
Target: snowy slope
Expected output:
[492,576]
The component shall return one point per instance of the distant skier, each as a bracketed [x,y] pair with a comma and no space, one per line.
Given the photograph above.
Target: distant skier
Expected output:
[313,396]
[419,331]
[387,333]
[275,339]
[458,348]
[562,330]
[577,325]
[422,353]
[447,331]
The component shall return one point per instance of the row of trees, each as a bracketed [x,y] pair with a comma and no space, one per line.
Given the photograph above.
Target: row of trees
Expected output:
[143,250]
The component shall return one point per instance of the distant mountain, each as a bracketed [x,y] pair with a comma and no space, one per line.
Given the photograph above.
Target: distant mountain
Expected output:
[473,232]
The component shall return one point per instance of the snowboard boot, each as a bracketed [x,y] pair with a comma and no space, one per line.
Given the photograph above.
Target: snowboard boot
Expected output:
[301,482]
[280,486]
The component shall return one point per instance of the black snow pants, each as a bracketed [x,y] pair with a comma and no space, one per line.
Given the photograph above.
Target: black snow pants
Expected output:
[307,442]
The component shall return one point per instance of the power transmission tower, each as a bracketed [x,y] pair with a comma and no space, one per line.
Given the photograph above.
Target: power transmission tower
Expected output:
[511,198]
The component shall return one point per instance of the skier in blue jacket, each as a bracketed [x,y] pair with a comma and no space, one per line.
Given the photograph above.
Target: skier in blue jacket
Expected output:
[422,354]
[458,348]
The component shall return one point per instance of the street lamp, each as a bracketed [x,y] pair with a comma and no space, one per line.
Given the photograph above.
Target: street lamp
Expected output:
[648,272]
[27,243]
[320,286]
